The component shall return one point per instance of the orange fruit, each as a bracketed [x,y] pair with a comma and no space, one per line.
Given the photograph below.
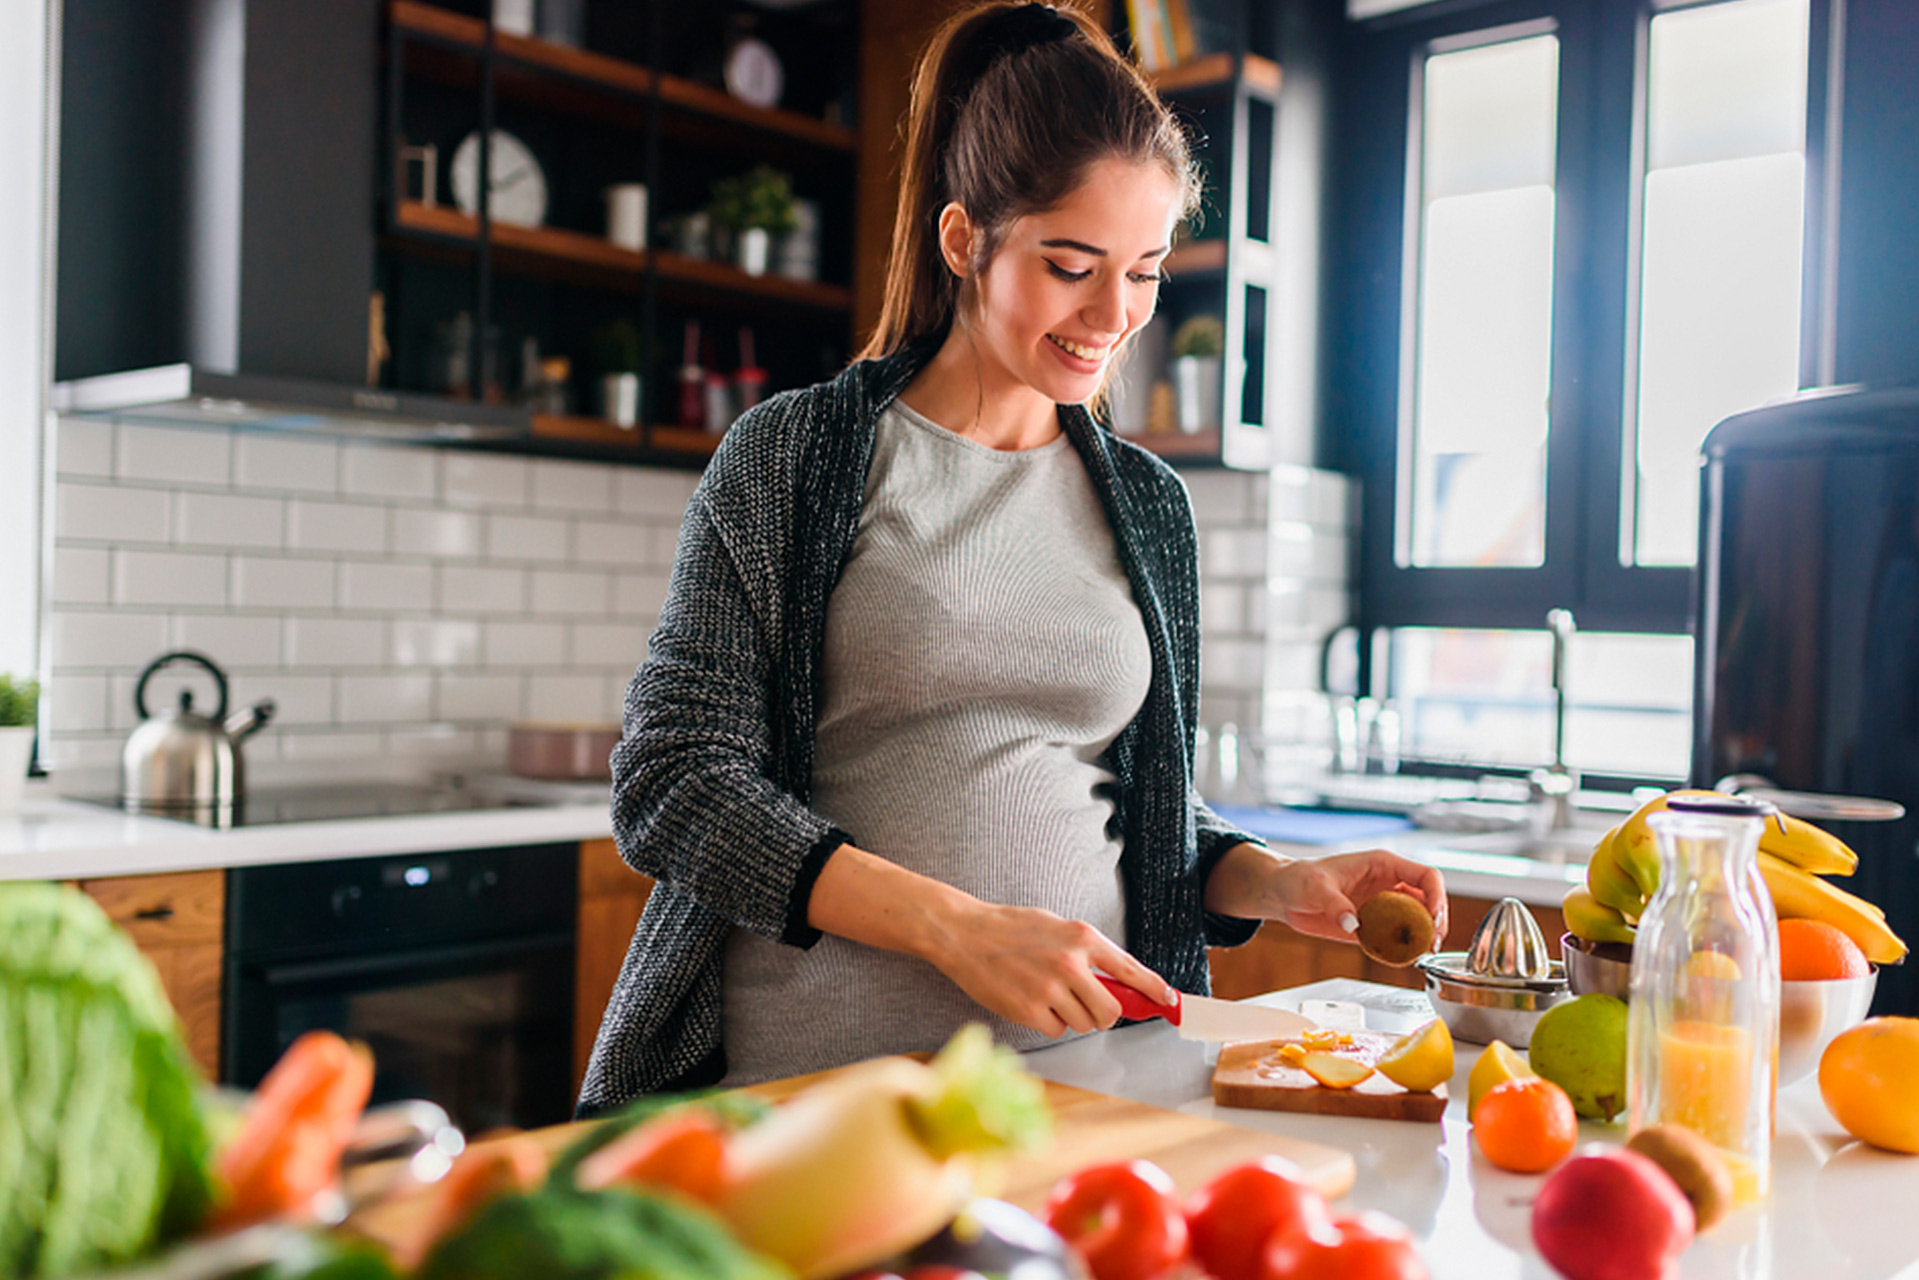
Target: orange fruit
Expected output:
[1525,1125]
[1814,951]
[1866,1077]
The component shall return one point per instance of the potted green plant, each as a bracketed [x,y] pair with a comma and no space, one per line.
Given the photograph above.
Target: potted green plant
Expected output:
[1197,347]
[19,710]
[619,351]
[754,206]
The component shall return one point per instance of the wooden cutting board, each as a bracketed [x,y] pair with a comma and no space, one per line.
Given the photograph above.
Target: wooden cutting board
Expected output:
[1091,1128]
[1253,1075]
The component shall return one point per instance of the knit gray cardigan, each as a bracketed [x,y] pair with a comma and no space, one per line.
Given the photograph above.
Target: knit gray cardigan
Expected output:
[712,777]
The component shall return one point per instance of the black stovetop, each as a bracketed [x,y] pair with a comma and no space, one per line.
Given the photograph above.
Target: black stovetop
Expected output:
[268,806]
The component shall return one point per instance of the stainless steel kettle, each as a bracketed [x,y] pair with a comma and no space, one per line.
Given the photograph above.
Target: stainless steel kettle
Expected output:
[182,763]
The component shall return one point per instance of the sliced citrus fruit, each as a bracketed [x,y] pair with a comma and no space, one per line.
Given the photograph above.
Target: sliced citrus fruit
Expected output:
[1420,1060]
[1333,1071]
[1500,1063]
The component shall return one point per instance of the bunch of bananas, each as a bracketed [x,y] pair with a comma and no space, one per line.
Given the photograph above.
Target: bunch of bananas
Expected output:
[1624,872]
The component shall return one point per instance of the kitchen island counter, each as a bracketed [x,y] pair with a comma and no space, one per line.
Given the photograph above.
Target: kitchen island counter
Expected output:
[52,838]
[1838,1211]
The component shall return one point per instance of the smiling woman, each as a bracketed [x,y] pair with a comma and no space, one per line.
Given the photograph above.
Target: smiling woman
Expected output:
[912,745]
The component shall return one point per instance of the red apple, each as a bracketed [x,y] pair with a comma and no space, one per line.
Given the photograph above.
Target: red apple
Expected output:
[1611,1214]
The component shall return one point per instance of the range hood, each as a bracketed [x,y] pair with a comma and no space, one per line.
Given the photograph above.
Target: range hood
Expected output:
[180,394]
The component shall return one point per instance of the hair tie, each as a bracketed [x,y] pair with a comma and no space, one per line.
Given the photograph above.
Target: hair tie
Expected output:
[1015,30]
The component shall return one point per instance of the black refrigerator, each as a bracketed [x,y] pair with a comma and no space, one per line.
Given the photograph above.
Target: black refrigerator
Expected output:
[1806,668]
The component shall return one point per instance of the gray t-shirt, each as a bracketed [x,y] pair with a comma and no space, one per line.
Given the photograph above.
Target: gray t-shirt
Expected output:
[982,650]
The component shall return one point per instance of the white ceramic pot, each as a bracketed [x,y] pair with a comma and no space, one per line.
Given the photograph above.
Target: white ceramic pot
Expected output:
[755,246]
[1196,391]
[16,752]
[620,399]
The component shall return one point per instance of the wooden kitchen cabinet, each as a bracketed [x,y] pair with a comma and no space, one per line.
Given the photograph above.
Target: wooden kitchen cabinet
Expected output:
[177,920]
[1277,957]
[612,896]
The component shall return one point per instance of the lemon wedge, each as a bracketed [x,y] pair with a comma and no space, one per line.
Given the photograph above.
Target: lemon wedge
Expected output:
[1420,1060]
[1334,1071]
[1500,1063]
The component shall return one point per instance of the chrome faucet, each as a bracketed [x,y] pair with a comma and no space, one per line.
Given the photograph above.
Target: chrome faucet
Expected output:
[1554,785]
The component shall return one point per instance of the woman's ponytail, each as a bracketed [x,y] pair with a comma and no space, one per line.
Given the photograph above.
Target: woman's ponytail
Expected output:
[1012,103]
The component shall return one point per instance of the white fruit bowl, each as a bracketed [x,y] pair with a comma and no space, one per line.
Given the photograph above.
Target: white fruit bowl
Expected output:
[1812,1013]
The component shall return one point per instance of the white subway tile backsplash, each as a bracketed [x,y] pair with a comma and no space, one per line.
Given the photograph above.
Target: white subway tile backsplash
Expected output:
[558,593]
[80,575]
[639,595]
[641,491]
[445,642]
[389,472]
[572,486]
[608,645]
[572,698]
[261,582]
[335,642]
[612,543]
[169,577]
[106,513]
[169,455]
[335,526]
[1232,553]
[482,590]
[81,751]
[1223,499]
[525,644]
[443,741]
[228,520]
[386,699]
[332,746]
[441,534]
[525,538]
[84,448]
[472,697]
[480,480]
[96,638]
[232,640]
[1222,608]
[280,462]
[297,699]
[77,704]
[392,588]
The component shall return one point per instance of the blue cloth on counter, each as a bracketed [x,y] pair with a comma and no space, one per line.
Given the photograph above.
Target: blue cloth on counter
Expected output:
[1312,826]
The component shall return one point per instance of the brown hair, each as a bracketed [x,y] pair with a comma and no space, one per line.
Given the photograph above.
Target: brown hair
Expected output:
[1012,104]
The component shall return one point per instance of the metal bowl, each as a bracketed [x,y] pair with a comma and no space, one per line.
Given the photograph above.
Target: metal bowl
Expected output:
[1480,1008]
[1812,1013]
[1602,967]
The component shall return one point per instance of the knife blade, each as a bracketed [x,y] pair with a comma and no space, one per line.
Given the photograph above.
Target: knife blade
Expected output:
[1204,1018]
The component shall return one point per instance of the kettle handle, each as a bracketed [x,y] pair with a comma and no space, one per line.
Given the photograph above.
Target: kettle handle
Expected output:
[182,655]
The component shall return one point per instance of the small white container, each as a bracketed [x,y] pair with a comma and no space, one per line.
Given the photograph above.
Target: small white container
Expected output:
[620,399]
[626,215]
[16,752]
[755,248]
[1196,389]
[514,17]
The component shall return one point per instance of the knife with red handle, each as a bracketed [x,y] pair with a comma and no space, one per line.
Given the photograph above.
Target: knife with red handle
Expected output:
[1204,1018]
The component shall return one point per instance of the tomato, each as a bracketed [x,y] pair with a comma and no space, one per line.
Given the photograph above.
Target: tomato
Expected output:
[1368,1247]
[1122,1218]
[1230,1219]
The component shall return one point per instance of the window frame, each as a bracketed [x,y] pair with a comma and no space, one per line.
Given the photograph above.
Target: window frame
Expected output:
[1598,188]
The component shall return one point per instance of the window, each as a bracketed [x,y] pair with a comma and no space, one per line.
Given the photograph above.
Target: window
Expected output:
[1574,237]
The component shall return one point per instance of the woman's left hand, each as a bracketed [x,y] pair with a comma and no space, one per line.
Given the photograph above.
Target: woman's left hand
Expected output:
[1318,896]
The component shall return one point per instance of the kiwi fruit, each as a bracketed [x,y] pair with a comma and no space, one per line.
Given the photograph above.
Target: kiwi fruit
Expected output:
[1394,928]
[1694,1164]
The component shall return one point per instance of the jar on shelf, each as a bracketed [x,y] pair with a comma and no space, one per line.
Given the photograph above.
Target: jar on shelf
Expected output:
[1702,1040]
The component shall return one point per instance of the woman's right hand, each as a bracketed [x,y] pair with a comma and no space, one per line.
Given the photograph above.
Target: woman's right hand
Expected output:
[1036,969]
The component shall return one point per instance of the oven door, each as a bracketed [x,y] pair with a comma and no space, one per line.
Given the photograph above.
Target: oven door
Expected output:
[485,1029]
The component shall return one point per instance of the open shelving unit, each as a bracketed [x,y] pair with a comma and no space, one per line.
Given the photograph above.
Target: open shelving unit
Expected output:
[592,119]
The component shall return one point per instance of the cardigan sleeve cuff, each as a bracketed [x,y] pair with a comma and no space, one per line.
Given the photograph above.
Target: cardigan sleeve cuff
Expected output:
[1222,930]
[798,932]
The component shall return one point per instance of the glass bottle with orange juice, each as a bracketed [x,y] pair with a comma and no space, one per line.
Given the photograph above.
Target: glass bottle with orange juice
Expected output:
[1702,1037]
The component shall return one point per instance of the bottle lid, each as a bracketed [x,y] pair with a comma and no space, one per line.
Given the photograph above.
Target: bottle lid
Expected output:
[1721,806]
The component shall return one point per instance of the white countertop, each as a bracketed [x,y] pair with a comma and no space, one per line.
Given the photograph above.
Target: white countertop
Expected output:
[56,839]
[1839,1210]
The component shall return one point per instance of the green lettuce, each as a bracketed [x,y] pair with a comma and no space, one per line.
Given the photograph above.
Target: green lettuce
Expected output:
[104,1150]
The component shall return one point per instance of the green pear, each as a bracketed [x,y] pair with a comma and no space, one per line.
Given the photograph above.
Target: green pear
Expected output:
[1581,1047]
